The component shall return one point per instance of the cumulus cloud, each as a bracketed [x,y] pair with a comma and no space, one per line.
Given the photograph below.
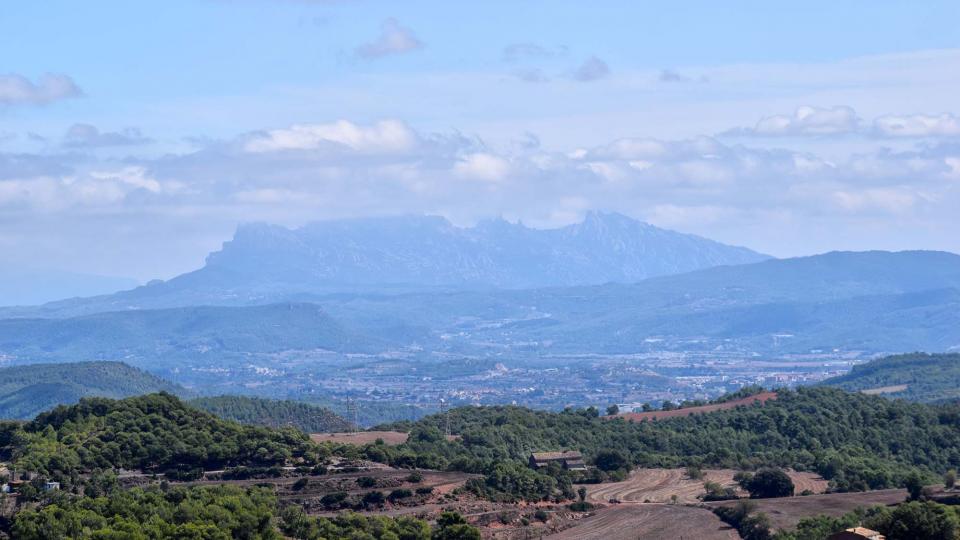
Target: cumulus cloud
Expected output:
[591,69]
[309,171]
[805,121]
[482,166]
[917,125]
[88,136]
[671,76]
[843,120]
[18,90]
[393,39]
[384,136]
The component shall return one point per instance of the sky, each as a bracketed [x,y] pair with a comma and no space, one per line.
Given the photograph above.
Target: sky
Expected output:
[136,136]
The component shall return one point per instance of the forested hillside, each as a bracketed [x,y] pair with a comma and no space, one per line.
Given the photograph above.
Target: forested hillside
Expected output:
[854,440]
[920,377]
[153,433]
[272,413]
[26,391]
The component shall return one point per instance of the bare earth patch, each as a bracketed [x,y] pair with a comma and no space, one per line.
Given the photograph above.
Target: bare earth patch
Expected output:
[787,511]
[361,438]
[760,398]
[660,485]
[649,522]
[884,390]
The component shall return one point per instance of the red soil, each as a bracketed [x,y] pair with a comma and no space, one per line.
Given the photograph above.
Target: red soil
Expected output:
[762,397]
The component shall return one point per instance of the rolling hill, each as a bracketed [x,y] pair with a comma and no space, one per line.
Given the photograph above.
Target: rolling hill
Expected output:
[26,391]
[272,413]
[927,378]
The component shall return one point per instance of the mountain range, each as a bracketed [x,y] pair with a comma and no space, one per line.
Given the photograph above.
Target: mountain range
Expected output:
[872,302]
[268,263]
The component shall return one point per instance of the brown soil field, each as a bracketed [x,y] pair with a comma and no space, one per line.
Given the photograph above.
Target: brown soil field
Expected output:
[884,390]
[360,438]
[762,397]
[649,522]
[659,485]
[787,511]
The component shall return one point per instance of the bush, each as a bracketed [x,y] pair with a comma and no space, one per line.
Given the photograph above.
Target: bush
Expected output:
[768,483]
[374,498]
[424,490]
[333,500]
[300,484]
[541,515]
[398,494]
[612,460]
[366,482]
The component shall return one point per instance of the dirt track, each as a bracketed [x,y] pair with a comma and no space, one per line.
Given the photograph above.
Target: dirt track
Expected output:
[659,485]
[649,522]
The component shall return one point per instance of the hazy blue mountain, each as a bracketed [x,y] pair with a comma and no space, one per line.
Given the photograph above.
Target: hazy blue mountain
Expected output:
[27,288]
[265,263]
[869,301]
[168,336]
[878,301]
[26,391]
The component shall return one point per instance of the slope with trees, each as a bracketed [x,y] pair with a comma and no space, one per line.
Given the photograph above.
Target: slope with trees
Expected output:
[272,413]
[26,391]
[920,377]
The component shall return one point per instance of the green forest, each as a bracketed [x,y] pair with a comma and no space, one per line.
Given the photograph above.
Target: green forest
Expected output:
[272,413]
[215,513]
[26,391]
[927,378]
[153,433]
[858,442]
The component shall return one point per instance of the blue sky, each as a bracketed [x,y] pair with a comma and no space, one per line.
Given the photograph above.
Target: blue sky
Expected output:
[134,136]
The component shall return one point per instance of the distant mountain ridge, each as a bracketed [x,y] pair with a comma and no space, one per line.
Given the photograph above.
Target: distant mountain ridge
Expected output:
[265,263]
[873,302]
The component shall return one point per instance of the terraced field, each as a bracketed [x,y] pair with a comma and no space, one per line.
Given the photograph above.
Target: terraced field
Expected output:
[787,511]
[661,485]
[649,522]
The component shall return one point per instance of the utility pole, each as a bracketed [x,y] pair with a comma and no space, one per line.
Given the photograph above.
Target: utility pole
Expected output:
[446,418]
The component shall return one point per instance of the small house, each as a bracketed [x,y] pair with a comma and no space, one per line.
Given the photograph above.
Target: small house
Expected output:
[51,486]
[569,460]
[856,533]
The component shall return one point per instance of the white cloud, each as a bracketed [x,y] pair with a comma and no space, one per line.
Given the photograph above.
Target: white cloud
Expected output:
[342,169]
[88,136]
[591,69]
[917,125]
[393,39]
[807,121]
[482,166]
[18,90]
[384,136]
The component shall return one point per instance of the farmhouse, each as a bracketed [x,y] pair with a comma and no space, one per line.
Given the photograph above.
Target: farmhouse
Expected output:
[856,533]
[572,461]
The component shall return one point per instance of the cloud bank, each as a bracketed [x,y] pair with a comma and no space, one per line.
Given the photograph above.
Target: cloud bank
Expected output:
[18,90]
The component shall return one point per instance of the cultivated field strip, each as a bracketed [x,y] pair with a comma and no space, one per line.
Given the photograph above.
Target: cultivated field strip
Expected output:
[661,485]
[649,522]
